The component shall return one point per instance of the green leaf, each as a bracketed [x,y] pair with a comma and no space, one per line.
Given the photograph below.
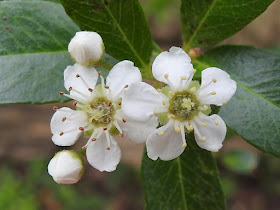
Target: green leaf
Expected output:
[206,22]
[121,24]
[33,52]
[189,182]
[254,111]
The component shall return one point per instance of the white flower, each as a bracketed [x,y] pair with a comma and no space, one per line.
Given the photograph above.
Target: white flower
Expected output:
[98,113]
[182,106]
[86,48]
[66,167]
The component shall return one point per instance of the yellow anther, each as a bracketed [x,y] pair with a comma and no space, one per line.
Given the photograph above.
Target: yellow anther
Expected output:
[193,89]
[183,78]
[204,139]
[177,129]
[155,112]
[184,145]
[171,94]
[159,90]
[204,125]
[166,76]
[190,128]
[216,122]
[214,80]
[213,93]
[172,116]
[163,102]
[194,71]
[224,102]
[205,107]
[160,133]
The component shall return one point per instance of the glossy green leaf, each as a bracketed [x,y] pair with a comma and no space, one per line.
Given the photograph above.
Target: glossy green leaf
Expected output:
[254,111]
[189,182]
[206,22]
[121,24]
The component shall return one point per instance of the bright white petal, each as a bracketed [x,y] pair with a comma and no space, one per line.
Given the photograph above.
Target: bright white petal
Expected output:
[122,74]
[101,158]
[176,63]
[87,79]
[167,146]
[214,132]
[224,86]
[138,132]
[140,100]
[65,125]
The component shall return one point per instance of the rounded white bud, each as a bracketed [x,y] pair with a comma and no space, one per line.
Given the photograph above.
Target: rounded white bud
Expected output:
[86,48]
[66,167]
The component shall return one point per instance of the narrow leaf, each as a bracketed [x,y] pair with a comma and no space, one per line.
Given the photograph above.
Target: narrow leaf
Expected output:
[206,22]
[189,182]
[121,24]
[254,111]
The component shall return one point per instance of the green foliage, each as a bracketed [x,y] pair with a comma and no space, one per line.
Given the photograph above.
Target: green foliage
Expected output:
[206,22]
[254,111]
[191,181]
[121,24]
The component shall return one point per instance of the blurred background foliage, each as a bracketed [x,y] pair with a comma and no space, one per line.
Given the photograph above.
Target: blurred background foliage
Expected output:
[250,178]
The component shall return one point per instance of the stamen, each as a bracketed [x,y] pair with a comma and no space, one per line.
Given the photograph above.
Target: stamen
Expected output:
[196,130]
[183,78]
[84,148]
[77,75]
[184,145]
[216,122]
[70,88]
[81,128]
[124,121]
[90,90]
[166,76]
[193,89]
[159,90]
[120,103]
[177,129]
[194,71]
[61,133]
[75,103]
[214,80]
[190,78]
[63,119]
[213,93]
[205,107]
[155,112]
[204,139]
[61,93]
[108,139]
[224,102]
[170,122]
[163,102]
[84,82]
[108,148]
[126,86]
[204,125]
[118,127]
[77,98]
[121,135]
[104,129]
[94,139]
[110,104]
[99,73]
[106,86]
[78,92]
[160,133]
[55,107]
[171,93]
[172,116]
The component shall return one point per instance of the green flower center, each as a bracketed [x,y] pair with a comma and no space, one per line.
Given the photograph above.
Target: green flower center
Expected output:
[100,112]
[184,106]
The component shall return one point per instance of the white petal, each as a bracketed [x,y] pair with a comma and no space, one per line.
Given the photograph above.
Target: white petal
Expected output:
[122,74]
[88,79]
[167,146]
[224,86]
[138,132]
[176,63]
[140,100]
[101,158]
[70,126]
[214,133]
[66,167]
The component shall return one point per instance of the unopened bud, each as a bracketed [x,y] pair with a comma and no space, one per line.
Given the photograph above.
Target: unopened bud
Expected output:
[66,167]
[86,48]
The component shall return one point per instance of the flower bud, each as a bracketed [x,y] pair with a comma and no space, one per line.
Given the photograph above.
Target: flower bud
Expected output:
[86,48]
[66,167]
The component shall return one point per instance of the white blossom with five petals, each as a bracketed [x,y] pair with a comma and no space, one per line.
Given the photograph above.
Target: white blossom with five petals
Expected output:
[99,112]
[182,106]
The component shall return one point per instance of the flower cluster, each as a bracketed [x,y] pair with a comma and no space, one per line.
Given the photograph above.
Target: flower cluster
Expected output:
[126,106]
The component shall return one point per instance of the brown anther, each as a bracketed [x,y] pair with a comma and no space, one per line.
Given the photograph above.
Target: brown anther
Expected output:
[94,139]
[110,104]
[104,129]
[108,148]
[106,86]
[120,103]
[84,147]
[99,73]
[90,90]
[7,27]
[77,75]
[61,93]
[124,120]
[126,86]
[70,88]
[121,135]
[55,107]
[61,133]
[4,17]
[63,119]
[75,103]
[81,128]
